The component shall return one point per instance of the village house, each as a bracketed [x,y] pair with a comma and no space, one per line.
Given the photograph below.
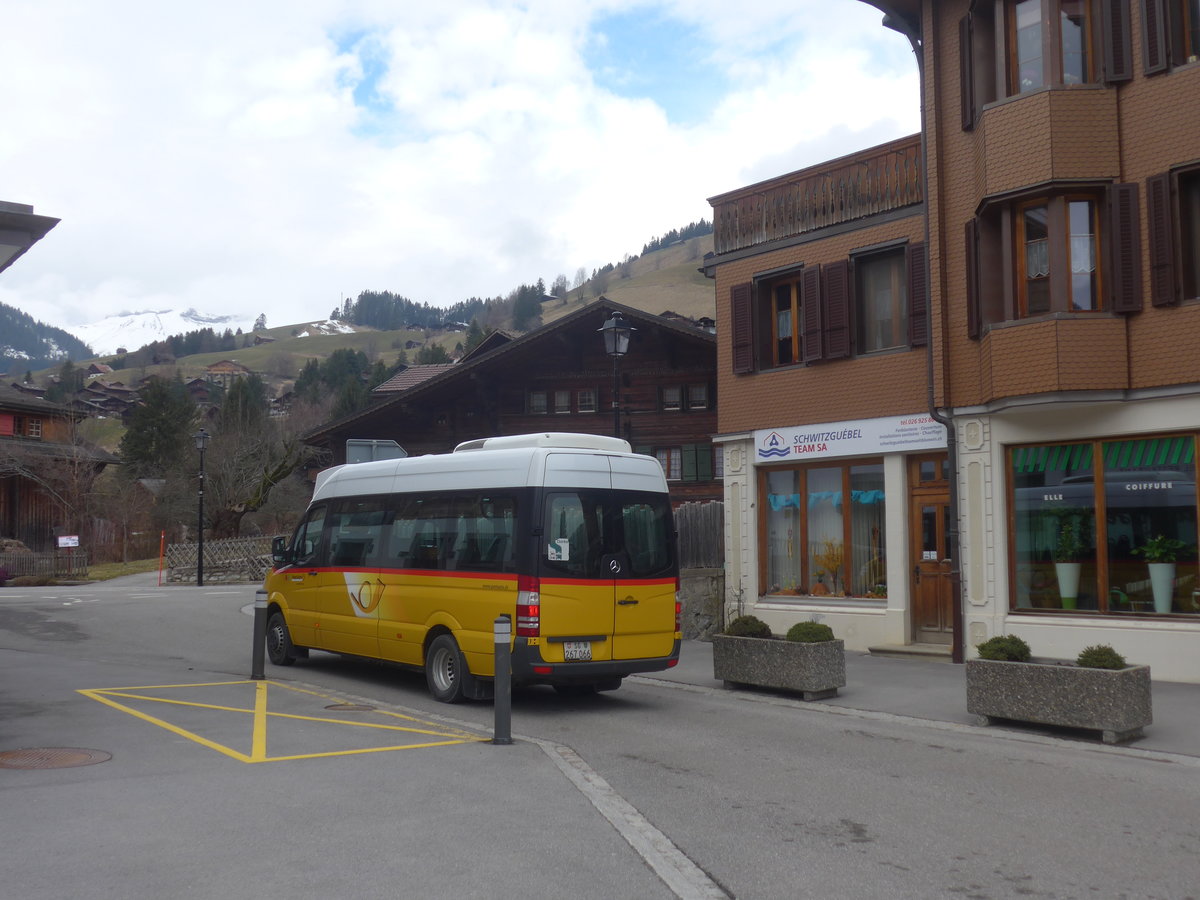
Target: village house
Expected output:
[1025,399]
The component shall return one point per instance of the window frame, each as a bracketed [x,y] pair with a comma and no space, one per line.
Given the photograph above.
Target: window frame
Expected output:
[538,403]
[673,467]
[562,402]
[1058,254]
[875,569]
[1053,53]
[670,398]
[901,304]
[586,399]
[694,402]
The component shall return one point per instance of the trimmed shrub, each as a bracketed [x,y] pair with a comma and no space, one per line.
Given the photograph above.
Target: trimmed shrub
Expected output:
[1100,656]
[810,633]
[1007,647]
[32,581]
[748,626]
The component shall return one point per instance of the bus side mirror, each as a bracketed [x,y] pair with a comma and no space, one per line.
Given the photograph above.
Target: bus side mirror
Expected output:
[281,553]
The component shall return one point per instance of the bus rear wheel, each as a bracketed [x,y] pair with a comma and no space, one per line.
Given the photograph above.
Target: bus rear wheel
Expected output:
[445,670]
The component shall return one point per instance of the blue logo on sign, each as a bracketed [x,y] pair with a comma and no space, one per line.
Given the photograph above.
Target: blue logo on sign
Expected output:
[773,446]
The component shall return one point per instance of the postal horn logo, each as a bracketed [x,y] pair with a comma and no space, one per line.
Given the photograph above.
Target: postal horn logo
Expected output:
[773,446]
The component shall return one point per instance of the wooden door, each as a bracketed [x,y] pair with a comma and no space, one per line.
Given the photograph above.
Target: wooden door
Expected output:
[932,597]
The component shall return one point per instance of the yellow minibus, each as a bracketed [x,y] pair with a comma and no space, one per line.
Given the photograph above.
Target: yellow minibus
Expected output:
[412,560]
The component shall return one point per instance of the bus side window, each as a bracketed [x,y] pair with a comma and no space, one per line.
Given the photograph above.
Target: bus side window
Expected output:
[308,539]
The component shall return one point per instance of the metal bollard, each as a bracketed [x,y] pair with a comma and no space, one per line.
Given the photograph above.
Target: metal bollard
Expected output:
[502,732]
[260,635]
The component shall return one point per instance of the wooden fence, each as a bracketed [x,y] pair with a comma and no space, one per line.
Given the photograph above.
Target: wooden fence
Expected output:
[701,528]
[243,560]
[73,565]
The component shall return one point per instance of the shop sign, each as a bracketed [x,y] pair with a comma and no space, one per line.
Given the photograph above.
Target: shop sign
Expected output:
[894,434]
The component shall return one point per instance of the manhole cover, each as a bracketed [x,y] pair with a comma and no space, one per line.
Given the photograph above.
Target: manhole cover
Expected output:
[51,758]
[351,707]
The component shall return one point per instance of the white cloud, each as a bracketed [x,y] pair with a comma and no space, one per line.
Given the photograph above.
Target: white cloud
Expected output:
[215,156]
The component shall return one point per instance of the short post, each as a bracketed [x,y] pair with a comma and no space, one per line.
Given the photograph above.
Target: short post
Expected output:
[502,733]
[260,635]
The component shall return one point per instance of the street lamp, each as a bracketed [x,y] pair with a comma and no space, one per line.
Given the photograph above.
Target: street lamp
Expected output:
[616,333]
[201,438]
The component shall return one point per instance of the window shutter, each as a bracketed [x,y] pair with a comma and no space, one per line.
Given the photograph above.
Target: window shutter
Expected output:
[704,462]
[1155,50]
[966,72]
[918,281]
[644,450]
[974,313]
[6,424]
[1162,247]
[1118,63]
[1125,274]
[836,295]
[742,319]
[689,462]
[810,284]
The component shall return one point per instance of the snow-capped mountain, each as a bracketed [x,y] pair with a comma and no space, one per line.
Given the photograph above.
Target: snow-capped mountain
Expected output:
[132,330]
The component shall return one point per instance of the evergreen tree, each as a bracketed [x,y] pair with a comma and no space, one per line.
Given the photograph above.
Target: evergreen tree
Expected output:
[159,437]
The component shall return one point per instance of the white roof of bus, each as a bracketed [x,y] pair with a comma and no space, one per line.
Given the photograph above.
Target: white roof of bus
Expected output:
[521,460]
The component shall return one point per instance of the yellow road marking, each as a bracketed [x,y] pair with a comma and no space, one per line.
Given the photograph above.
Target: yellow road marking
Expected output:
[261,715]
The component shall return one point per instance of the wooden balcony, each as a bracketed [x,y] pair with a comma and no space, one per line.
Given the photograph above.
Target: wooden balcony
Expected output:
[877,180]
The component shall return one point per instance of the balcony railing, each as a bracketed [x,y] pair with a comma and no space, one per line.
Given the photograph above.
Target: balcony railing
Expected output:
[881,179]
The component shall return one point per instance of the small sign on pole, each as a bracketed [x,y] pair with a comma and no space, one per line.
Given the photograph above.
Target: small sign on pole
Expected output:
[68,540]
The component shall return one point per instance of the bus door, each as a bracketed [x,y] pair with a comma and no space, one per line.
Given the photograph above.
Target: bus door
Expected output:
[643,561]
[304,578]
[348,603]
[607,576]
[577,611]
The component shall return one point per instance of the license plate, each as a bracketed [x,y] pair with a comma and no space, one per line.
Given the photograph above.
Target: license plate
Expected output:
[577,650]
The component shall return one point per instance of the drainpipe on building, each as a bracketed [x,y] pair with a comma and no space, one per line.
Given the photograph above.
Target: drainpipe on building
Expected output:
[912,31]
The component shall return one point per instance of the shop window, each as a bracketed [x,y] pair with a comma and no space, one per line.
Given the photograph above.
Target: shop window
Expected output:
[1173,214]
[585,401]
[562,402]
[809,526]
[1087,517]
[537,403]
[1170,34]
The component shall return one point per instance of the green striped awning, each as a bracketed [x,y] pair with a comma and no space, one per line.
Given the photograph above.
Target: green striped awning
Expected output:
[1053,458]
[1150,453]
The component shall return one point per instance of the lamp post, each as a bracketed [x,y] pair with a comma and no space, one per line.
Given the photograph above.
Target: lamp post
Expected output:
[201,439]
[616,333]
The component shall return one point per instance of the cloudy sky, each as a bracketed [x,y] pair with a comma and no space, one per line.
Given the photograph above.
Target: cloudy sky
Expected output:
[276,156]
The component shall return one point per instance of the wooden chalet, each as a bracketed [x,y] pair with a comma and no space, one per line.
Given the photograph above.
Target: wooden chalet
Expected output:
[35,439]
[559,378]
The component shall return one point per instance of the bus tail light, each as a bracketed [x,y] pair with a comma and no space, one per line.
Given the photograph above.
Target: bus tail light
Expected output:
[529,607]
[678,607]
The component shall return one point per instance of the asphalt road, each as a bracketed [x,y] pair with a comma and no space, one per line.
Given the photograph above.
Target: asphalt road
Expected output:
[219,786]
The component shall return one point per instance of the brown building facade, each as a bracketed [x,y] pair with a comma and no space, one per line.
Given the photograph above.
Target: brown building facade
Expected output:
[1062,188]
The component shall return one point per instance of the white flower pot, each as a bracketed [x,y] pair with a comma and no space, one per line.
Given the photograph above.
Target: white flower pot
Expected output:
[1068,582]
[1162,583]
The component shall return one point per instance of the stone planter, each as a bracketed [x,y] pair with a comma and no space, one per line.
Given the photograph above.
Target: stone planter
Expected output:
[815,671]
[1115,702]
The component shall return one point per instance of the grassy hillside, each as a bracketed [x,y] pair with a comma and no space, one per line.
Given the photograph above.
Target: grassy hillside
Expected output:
[664,280]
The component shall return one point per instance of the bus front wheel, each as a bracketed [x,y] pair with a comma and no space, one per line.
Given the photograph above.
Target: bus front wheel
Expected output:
[279,641]
[445,669]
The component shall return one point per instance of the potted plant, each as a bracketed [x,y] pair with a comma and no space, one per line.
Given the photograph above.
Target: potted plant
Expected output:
[830,560]
[1098,691]
[1067,550]
[809,661]
[1160,554]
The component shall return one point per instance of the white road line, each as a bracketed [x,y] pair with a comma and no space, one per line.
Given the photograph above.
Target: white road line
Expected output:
[685,879]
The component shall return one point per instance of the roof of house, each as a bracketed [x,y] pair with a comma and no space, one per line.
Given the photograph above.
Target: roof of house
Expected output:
[411,377]
[12,398]
[601,308]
